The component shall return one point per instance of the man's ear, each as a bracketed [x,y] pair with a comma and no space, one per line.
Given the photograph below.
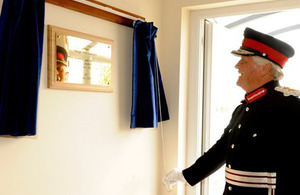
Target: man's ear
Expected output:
[266,69]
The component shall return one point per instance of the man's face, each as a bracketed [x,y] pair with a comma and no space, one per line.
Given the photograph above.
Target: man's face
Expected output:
[62,72]
[249,73]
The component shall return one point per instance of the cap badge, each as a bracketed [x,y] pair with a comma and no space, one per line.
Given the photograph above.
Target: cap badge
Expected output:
[243,41]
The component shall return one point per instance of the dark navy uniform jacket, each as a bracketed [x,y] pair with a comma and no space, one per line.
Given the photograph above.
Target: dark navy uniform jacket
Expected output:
[262,137]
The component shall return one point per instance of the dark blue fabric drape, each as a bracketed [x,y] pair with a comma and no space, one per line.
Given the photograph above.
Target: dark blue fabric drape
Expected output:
[149,105]
[21,44]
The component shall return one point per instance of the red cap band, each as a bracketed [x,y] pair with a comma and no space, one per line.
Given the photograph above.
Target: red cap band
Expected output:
[60,56]
[272,54]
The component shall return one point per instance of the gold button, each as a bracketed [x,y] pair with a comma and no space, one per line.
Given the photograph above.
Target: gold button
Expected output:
[239,126]
[229,188]
[232,146]
[247,109]
[254,135]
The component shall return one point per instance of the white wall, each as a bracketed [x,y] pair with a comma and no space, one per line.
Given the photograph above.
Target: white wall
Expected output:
[84,145]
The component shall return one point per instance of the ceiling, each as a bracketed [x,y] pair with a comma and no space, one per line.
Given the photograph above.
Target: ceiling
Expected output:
[272,23]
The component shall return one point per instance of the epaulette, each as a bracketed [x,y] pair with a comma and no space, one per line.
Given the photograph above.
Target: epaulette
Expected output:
[288,91]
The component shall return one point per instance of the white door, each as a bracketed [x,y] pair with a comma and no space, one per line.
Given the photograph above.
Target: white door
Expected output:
[221,95]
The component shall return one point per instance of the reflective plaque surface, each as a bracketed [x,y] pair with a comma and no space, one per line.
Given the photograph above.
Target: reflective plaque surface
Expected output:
[79,61]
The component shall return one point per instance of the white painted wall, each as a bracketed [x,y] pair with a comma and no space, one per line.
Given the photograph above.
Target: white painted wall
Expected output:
[84,145]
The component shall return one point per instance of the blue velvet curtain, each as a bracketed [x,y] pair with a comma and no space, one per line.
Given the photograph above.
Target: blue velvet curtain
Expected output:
[149,105]
[21,44]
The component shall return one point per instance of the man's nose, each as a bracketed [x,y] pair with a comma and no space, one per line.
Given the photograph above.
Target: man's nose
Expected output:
[237,65]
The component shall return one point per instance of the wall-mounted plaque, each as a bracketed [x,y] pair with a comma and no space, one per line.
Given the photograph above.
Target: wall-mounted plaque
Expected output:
[78,61]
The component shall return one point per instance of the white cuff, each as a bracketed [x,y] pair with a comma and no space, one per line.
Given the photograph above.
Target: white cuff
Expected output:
[181,177]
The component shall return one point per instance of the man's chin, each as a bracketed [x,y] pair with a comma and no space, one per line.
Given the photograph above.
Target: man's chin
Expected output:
[239,84]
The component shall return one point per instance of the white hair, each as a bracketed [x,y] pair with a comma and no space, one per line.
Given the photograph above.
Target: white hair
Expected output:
[276,69]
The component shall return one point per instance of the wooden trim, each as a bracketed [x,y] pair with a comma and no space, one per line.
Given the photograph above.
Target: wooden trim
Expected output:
[116,9]
[99,13]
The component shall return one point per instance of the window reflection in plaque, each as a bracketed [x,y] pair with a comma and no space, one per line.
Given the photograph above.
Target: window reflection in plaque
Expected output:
[82,61]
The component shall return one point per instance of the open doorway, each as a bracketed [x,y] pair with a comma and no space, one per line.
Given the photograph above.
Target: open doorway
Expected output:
[223,35]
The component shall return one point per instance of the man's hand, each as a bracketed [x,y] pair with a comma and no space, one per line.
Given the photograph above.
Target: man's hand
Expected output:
[172,178]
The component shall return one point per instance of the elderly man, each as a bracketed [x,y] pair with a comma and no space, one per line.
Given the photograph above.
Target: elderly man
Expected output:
[259,146]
